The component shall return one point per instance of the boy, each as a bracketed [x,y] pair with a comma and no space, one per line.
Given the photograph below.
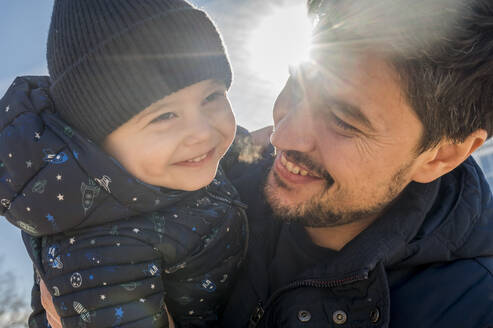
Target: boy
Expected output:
[145,82]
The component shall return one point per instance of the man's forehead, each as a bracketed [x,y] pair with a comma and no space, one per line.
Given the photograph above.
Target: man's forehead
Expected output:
[347,71]
[366,83]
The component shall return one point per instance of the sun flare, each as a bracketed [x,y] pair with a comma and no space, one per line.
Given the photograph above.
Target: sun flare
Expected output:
[281,39]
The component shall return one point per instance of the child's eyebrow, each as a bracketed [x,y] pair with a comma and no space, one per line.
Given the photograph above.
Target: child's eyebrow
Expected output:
[155,108]
[160,104]
[217,83]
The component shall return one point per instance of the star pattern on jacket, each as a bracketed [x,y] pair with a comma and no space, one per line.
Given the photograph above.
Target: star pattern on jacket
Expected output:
[80,195]
[119,312]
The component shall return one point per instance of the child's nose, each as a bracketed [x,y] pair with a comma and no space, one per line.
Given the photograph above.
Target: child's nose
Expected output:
[198,130]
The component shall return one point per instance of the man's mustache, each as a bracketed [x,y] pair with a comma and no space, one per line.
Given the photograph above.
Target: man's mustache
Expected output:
[298,157]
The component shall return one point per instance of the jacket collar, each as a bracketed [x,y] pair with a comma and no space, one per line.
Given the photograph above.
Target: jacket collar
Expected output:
[109,174]
[449,218]
[50,147]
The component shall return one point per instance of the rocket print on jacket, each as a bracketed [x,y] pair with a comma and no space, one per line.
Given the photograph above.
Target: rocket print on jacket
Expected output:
[89,192]
[84,314]
[104,182]
[54,158]
[54,257]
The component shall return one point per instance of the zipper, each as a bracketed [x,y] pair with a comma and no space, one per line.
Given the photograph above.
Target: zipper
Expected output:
[235,202]
[219,198]
[260,309]
[242,208]
[230,201]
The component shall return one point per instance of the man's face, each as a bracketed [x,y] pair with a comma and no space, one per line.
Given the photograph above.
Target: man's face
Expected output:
[177,142]
[346,145]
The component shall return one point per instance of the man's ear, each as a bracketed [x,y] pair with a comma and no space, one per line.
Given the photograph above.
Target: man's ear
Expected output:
[447,156]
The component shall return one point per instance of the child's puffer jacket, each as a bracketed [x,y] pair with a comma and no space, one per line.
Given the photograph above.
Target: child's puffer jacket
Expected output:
[114,249]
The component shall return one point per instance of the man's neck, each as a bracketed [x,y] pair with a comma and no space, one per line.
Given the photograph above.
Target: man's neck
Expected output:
[337,237]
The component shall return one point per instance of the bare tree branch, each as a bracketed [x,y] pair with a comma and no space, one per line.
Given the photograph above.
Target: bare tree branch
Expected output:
[14,311]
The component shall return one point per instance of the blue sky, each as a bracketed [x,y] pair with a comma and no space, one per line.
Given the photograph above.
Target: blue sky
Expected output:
[23,32]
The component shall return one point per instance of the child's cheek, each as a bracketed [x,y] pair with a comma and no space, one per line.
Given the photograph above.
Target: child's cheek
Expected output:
[230,126]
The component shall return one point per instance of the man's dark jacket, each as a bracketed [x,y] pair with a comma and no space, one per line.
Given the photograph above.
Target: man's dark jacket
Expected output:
[426,262]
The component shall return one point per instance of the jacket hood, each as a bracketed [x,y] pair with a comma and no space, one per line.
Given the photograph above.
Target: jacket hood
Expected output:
[41,157]
[459,223]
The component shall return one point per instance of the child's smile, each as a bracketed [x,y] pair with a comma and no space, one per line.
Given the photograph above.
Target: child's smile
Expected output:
[199,160]
[178,141]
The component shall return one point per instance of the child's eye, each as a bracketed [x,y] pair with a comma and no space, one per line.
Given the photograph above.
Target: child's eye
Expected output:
[164,117]
[214,96]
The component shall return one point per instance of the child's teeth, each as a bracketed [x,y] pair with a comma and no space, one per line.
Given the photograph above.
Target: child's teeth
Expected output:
[303,172]
[197,159]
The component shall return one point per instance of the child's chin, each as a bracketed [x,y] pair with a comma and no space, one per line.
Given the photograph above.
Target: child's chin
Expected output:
[197,186]
[195,183]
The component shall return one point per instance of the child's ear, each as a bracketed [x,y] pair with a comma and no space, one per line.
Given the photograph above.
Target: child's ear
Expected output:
[447,156]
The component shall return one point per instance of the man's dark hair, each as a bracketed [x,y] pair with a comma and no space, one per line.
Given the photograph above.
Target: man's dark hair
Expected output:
[448,78]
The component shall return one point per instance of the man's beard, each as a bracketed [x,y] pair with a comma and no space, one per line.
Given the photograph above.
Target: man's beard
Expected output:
[318,212]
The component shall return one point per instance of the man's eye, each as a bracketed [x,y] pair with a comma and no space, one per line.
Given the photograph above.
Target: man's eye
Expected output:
[164,117]
[343,125]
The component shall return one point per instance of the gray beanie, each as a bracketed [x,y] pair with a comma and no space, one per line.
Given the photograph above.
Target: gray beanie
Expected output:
[110,59]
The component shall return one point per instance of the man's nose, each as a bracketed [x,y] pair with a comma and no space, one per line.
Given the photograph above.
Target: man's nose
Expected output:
[293,127]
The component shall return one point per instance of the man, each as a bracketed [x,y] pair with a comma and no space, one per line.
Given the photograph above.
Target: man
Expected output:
[376,214]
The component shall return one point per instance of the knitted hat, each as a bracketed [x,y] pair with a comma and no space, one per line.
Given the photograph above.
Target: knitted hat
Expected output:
[110,59]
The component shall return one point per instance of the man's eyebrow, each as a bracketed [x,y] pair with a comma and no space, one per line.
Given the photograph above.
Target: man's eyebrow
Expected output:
[354,112]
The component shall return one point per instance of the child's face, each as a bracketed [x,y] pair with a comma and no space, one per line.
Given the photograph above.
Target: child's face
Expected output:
[177,142]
